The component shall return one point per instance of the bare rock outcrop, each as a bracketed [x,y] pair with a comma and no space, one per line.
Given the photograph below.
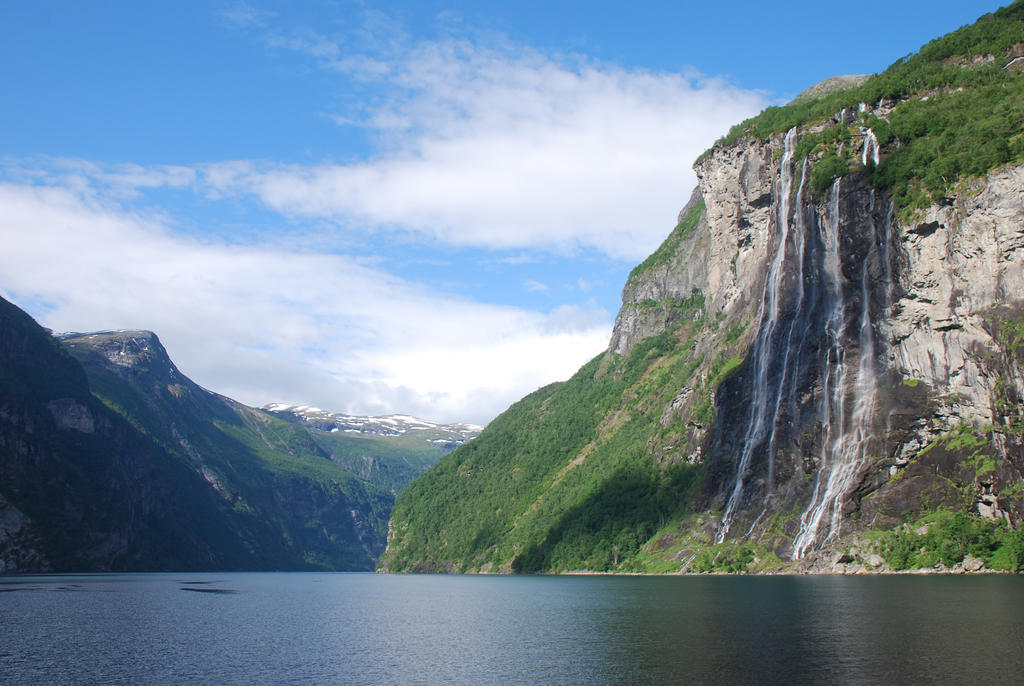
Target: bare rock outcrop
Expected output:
[962,260]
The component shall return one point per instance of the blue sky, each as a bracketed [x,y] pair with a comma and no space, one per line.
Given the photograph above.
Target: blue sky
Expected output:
[418,207]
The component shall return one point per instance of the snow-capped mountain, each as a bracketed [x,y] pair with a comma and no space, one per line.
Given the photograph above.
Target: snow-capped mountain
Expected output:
[451,435]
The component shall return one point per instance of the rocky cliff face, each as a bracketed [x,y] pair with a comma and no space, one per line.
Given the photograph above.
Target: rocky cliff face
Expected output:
[963,271]
[653,290]
[867,342]
[792,375]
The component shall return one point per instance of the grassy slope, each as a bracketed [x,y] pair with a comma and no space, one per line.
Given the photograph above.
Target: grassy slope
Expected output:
[562,480]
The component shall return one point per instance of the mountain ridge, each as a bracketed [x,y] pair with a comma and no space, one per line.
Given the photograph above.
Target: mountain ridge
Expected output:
[112,459]
[375,425]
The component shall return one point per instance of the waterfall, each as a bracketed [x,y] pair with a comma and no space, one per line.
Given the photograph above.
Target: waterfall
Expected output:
[870,148]
[768,318]
[799,239]
[790,366]
[847,405]
[809,304]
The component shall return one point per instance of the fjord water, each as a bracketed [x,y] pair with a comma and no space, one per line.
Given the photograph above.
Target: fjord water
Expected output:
[278,628]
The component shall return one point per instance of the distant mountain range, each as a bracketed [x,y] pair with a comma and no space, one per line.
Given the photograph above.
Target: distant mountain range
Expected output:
[449,435]
[112,459]
[391,450]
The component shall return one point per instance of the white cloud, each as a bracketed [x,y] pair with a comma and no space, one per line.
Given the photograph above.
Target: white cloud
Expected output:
[244,15]
[535,286]
[262,324]
[310,43]
[508,148]
[122,181]
[494,147]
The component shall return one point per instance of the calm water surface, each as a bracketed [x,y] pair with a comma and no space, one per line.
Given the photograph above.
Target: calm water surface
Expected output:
[292,628]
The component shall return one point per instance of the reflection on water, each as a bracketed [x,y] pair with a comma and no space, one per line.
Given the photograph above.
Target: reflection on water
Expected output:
[371,629]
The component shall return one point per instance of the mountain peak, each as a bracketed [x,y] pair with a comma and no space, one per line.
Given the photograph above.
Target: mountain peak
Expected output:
[831,85]
[124,348]
[134,350]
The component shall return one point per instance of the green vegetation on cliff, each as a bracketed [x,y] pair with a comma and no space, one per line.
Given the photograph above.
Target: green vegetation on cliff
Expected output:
[958,111]
[949,538]
[687,223]
[391,462]
[565,479]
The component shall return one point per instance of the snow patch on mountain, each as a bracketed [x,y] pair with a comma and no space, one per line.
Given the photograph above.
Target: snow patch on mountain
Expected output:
[386,425]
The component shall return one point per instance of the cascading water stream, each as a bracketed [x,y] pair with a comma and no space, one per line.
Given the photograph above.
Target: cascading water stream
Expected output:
[807,303]
[800,240]
[870,148]
[789,364]
[834,368]
[760,353]
[845,442]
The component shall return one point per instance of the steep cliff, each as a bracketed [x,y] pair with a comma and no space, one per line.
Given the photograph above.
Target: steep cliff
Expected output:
[818,369]
[112,459]
[81,488]
[291,497]
[878,346]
